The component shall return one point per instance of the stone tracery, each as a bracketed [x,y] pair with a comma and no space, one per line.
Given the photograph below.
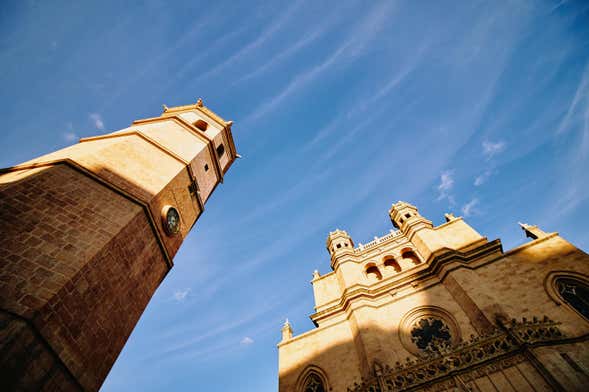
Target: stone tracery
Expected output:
[429,333]
[575,293]
[313,383]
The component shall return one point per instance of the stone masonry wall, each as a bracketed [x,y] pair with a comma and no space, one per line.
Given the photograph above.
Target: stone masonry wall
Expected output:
[79,262]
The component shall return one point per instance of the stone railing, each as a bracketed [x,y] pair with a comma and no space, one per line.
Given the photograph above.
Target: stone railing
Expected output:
[442,362]
[377,241]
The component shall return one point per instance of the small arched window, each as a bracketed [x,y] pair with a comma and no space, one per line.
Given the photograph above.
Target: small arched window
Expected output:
[220,150]
[373,272]
[201,124]
[410,255]
[390,262]
[314,383]
[575,293]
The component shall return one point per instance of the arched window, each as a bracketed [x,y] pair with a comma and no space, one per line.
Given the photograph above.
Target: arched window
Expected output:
[313,383]
[201,124]
[220,150]
[372,272]
[575,293]
[410,255]
[390,262]
[431,333]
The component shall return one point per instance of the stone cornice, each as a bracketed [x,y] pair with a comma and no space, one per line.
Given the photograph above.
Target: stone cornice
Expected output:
[309,333]
[198,107]
[134,132]
[449,223]
[529,244]
[323,276]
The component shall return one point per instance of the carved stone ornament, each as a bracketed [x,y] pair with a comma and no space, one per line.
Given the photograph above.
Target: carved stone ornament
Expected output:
[426,328]
[499,349]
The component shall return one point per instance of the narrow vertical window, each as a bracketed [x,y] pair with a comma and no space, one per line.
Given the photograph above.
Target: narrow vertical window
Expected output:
[220,150]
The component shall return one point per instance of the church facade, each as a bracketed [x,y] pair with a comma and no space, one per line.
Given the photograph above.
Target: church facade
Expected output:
[443,309]
[87,234]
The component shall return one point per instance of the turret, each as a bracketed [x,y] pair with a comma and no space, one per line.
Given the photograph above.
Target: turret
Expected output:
[405,216]
[339,242]
[454,234]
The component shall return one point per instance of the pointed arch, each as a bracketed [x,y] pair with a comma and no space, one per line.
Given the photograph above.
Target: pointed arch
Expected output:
[313,379]
[571,289]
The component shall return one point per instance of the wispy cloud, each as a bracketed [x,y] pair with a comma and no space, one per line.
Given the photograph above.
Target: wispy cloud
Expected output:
[361,105]
[70,136]
[470,208]
[297,84]
[365,31]
[490,149]
[96,120]
[247,50]
[482,178]
[445,186]
[190,341]
[246,341]
[180,295]
[398,77]
[290,50]
[577,114]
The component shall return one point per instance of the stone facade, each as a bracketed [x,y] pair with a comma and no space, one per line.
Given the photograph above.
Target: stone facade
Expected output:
[443,308]
[84,244]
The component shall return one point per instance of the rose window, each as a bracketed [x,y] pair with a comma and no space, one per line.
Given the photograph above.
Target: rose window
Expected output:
[430,333]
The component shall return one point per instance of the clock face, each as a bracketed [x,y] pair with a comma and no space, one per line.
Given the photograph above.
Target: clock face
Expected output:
[172,220]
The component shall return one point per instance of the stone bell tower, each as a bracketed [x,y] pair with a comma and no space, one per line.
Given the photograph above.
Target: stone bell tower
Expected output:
[87,233]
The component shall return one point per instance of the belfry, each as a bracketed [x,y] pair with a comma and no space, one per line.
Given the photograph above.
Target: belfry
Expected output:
[426,308]
[87,235]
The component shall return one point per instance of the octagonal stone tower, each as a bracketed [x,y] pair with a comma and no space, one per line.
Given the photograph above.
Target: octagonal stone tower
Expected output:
[88,233]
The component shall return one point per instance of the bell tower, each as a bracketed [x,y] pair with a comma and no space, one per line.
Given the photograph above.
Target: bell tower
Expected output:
[87,235]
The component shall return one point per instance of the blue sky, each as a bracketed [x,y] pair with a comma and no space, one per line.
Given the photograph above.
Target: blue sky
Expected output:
[340,109]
